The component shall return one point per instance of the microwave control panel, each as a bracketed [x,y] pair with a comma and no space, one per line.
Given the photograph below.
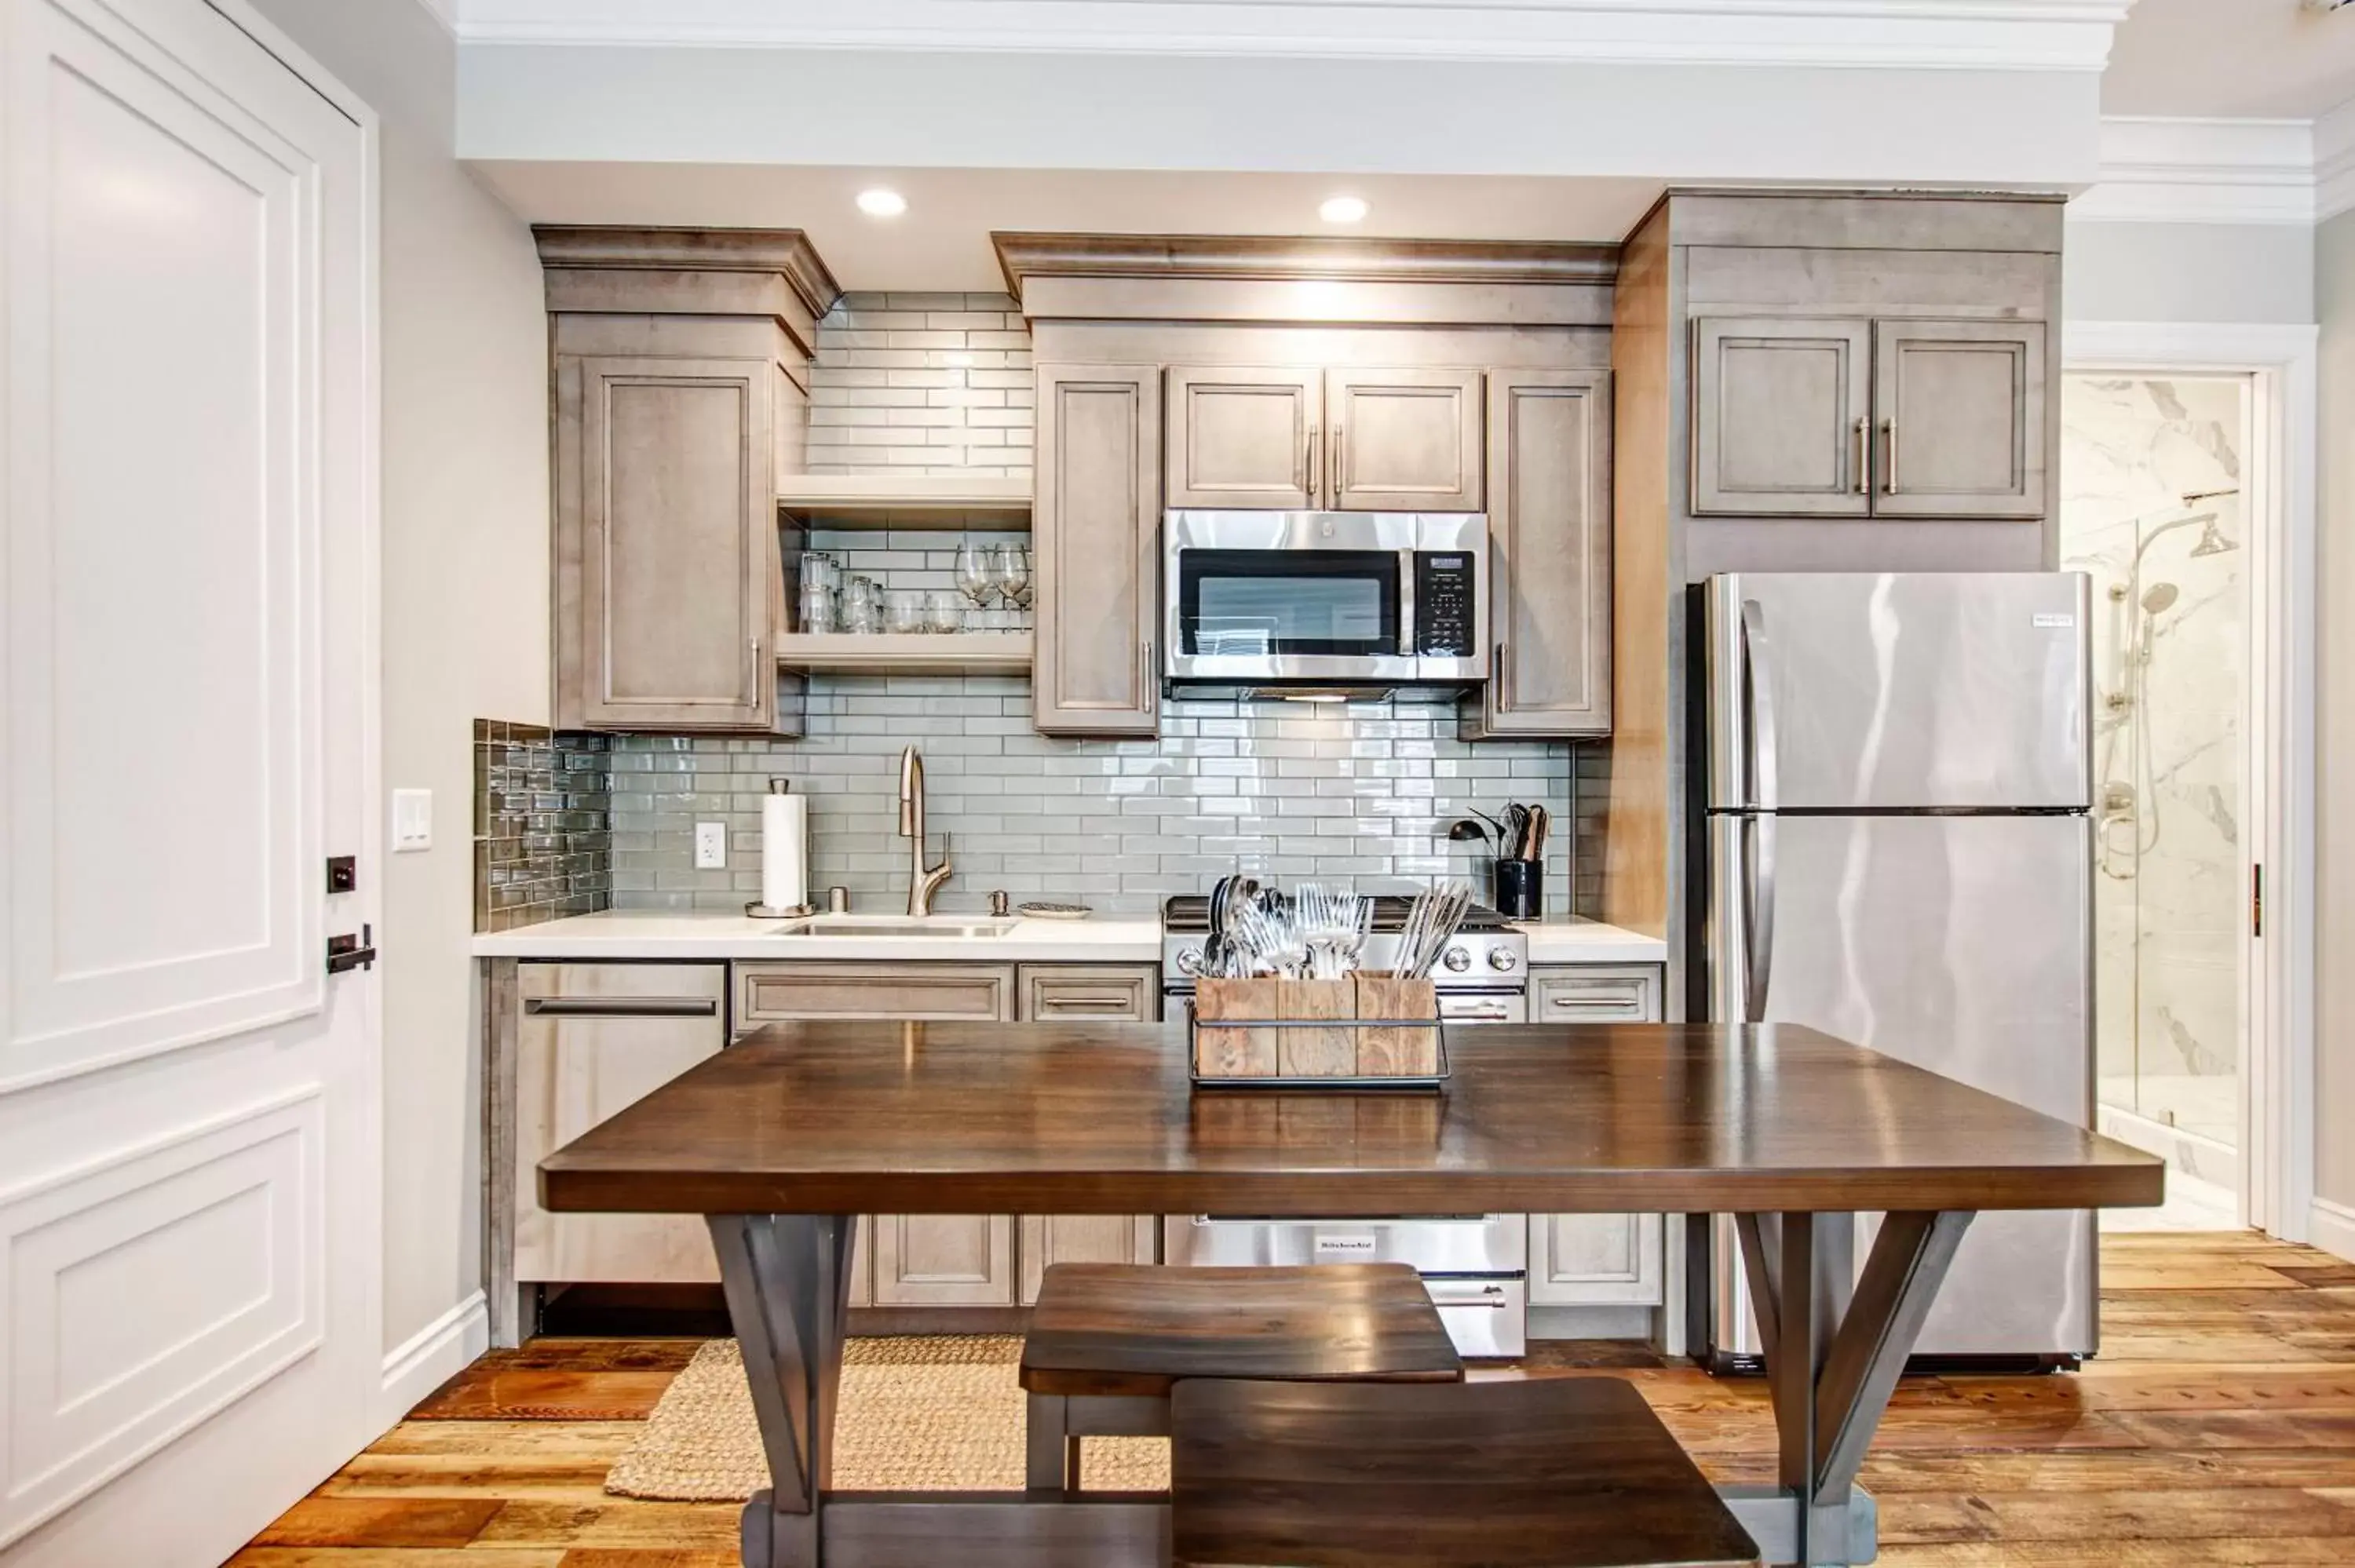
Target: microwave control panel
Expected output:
[1442,605]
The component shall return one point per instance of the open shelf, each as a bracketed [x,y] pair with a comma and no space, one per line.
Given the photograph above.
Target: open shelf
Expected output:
[886,653]
[907,501]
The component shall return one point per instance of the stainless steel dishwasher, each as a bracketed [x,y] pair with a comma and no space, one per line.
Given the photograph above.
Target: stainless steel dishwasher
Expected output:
[594,1039]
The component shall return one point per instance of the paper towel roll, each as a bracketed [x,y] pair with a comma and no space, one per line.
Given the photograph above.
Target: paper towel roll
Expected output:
[784,850]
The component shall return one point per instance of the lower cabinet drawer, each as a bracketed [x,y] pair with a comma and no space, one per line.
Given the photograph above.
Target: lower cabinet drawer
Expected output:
[1595,994]
[1113,993]
[782,993]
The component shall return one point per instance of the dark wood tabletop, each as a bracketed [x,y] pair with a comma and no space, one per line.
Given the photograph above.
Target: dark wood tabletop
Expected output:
[1099,1118]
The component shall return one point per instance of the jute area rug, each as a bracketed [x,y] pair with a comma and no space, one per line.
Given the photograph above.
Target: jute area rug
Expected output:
[936,1414]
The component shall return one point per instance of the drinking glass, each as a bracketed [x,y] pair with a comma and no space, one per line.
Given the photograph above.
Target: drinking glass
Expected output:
[1010,569]
[862,605]
[974,576]
[947,611]
[904,611]
[817,607]
[820,569]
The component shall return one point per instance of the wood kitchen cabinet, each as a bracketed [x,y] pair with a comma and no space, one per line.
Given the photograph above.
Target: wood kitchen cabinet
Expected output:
[1799,416]
[1549,463]
[1343,439]
[1096,522]
[1084,1238]
[942,1260]
[781,992]
[1595,1260]
[1119,993]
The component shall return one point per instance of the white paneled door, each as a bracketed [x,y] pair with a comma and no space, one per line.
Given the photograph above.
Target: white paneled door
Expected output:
[188,1143]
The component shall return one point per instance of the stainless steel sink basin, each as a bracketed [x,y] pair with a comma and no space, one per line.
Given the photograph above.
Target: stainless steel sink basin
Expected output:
[965,926]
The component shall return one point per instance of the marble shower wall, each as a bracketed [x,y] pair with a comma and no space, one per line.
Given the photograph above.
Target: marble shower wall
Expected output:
[2169,638]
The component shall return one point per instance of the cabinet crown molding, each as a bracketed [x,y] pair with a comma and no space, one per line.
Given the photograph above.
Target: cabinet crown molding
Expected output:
[1022,256]
[786,252]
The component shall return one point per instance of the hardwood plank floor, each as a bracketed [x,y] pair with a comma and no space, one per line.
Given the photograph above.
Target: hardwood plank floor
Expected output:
[2217,1430]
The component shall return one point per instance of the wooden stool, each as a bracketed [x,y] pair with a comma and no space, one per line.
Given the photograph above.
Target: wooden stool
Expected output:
[1563,1472]
[1108,1340]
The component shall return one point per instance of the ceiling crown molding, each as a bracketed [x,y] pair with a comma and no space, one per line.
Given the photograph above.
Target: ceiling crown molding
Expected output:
[2203,170]
[1927,35]
[786,252]
[1253,258]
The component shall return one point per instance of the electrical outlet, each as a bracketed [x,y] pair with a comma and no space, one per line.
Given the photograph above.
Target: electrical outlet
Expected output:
[412,820]
[710,846]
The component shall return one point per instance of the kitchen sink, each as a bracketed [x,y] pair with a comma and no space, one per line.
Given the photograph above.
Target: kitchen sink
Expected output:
[961,926]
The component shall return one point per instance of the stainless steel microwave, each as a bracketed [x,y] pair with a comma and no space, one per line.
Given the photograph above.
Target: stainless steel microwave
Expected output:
[1313,596]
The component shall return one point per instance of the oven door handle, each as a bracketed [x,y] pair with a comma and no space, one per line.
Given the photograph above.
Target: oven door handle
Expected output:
[1467,1293]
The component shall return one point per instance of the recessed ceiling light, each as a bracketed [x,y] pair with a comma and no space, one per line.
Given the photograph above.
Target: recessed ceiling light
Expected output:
[1342,209]
[880,202]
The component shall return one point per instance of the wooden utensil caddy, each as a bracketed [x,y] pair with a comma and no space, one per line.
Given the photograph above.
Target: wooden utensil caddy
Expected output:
[1369,1031]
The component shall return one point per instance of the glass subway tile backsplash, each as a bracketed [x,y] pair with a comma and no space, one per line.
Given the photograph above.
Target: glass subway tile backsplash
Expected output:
[1360,795]
[543,826]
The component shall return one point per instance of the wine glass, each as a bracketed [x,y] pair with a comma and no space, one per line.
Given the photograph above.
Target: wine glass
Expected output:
[973,575]
[1010,569]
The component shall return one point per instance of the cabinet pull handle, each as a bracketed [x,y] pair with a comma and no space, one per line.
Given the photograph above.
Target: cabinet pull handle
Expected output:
[1889,456]
[622,1007]
[1095,1004]
[1862,480]
[1148,676]
[1311,468]
[1333,456]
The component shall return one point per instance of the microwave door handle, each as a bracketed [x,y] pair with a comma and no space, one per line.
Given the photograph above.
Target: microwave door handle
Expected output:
[1410,643]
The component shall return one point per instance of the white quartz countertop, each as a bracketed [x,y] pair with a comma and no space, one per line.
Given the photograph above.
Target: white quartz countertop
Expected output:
[1589,942]
[649,934]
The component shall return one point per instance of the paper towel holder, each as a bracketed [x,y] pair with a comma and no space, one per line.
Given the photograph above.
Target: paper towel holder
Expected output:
[757,910]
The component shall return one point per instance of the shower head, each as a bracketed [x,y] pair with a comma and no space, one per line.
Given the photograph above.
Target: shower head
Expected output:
[2161,597]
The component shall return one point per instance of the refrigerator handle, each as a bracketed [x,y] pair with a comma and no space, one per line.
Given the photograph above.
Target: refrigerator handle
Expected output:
[1758,692]
[1758,914]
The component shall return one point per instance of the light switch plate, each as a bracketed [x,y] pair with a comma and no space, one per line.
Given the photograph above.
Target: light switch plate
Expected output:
[412,820]
[710,846]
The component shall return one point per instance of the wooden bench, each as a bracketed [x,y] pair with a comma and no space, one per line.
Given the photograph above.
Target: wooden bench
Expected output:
[1107,1343]
[1563,1472]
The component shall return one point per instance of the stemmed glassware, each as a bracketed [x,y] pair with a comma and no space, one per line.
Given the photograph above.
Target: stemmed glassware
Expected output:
[1009,572]
[975,572]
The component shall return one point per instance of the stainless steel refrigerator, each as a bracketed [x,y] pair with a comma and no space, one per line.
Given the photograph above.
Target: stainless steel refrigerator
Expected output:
[1898,851]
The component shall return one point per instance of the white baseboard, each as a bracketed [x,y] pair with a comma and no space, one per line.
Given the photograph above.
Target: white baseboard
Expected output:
[2332,1228]
[433,1355]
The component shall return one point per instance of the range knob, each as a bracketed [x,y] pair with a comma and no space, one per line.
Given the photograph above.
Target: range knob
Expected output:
[1190,961]
[1456,959]
[1502,959]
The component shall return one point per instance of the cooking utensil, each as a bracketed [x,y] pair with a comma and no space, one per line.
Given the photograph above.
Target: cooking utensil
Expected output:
[1541,824]
[1467,831]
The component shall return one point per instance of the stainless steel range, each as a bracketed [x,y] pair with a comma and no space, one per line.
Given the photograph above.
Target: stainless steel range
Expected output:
[1475,1265]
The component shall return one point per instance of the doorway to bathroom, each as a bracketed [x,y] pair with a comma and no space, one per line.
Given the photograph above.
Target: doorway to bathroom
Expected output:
[2156,488]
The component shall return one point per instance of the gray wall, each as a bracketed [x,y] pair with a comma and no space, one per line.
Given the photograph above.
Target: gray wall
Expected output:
[2188,273]
[464,349]
[2335,656]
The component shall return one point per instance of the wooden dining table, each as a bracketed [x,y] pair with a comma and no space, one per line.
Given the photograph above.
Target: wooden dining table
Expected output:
[782,1139]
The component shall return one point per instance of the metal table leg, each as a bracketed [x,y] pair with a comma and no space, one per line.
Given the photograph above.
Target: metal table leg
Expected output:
[787,1278]
[1833,1358]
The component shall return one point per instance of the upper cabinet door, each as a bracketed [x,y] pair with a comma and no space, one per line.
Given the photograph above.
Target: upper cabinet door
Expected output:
[1096,529]
[1961,407]
[1245,438]
[677,538]
[1550,547]
[1403,441]
[1781,413]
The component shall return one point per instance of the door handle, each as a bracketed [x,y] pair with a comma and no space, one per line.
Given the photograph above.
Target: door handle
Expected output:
[1333,456]
[1758,688]
[1312,469]
[1445,1295]
[1758,915]
[622,1007]
[1862,482]
[348,953]
[1148,675]
[1889,456]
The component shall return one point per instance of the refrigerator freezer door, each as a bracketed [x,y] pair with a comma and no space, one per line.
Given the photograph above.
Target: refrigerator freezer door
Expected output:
[1958,944]
[1898,692]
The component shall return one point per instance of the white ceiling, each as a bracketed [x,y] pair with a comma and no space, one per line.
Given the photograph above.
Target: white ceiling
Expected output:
[942,240]
[2230,59]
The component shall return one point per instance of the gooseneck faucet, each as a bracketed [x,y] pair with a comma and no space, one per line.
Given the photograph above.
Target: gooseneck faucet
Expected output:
[921,883]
